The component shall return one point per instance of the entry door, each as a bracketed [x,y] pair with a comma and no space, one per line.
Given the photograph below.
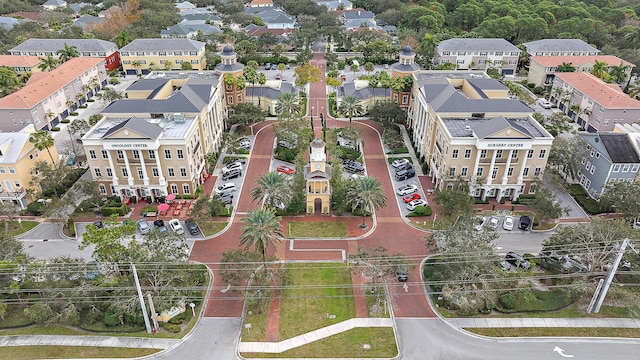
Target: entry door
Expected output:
[7,184]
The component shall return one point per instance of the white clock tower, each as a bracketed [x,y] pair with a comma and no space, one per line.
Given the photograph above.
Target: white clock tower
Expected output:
[318,175]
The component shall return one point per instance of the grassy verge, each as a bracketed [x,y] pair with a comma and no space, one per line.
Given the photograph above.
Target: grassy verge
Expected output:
[390,160]
[211,228]
[577,332]
[318,291]
[317,229]
[70,352]
[376,300]
[16,228]
[258,330]
[349,344]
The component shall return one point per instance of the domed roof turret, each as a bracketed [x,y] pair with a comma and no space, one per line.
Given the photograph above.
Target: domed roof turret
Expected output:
[407,51]
[227,50]
[317,143]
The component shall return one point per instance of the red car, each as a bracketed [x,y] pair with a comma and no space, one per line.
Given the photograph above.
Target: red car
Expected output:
[285,169]
[411,197]
[278,77]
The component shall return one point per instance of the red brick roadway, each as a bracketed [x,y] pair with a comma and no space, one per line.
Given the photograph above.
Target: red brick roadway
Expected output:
[391,231]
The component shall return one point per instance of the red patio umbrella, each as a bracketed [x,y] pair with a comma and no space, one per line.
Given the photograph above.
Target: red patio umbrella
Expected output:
[170,197]
[163,207]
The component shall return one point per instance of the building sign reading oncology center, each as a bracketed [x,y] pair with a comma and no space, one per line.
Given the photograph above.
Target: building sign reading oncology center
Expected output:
[129,146]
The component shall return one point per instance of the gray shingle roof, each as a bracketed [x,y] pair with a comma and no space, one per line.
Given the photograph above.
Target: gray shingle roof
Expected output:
[190,26]
[163,45]
[84,20]
[349,88]
[467,44]
[483,128]
[229,68]
[269,92]
[351,15]
[149,130]
[620,149]
[560,45]
[53,45]
[405,68]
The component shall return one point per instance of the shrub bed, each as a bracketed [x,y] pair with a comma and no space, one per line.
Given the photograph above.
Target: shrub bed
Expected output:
[402,150]
[55,129]
[590,205]
[65,121]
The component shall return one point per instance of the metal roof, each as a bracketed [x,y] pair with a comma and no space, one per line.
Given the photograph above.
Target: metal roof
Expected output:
[560,45]
[53,45]
[149,130]
[474,44]
[483,128]
[620,149]
[163,45]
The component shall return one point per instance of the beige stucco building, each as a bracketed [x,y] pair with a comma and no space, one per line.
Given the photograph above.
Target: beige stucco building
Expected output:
[317,173]
[162,54]
[542,69]
[155,142]
[468,130]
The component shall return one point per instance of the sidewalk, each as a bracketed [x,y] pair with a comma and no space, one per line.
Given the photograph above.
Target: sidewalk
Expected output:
[92,341]
[544,322]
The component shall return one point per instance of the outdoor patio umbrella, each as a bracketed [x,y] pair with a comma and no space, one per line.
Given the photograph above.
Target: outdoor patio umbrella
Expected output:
[163,207]
[170,197]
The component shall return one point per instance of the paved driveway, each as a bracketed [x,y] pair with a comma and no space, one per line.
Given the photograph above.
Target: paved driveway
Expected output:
[576,212]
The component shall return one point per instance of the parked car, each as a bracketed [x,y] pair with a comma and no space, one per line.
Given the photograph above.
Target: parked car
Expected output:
[174,224]
[405,174]
[494,222]
[267,66]
[143,226]
[192,226]
[411,197]
[159,224]
[353,167]
[479,222]
[226,198]
[508,223]
[399,162]
[278,77]
[285,170]
[99,224]
[232,166]
[288,66]
[544,103]
[517,260]
[224,188]
[525,223]
[402,273]
[406,189]
[415,203]
[274,66]
[232,174]
[244,143]
[405,166]
[562,263]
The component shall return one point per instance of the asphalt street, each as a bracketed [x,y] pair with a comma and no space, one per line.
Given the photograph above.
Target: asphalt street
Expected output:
[213,338]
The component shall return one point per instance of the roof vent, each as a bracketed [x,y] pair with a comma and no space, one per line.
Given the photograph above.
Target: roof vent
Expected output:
[597,139]
[178,118]
[467,127]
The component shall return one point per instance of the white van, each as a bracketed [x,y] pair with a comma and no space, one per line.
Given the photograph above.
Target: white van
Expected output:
[544,103]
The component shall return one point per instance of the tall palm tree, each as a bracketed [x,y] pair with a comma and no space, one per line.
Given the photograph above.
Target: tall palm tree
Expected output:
[251,75]
[633,38]
[68,52]
[167,65]
[273,189]
[368,192]
[262,228]
[287,106]
[261,79]
[351,106]
[42,140]
[122,39]
[137,64]
[374,82]
[618,73]
[565,67]
[601,70]
[47,64]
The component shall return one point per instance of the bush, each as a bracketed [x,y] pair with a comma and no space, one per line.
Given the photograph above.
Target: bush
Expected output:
[91,100]
[73,113]
[341,64]
[36,208]
[110,210]
[421,211]
[508,301]
[179,319]
[83,106]
[71,227]
[55,129]
[590,205]
[531,85]
[284,154]
[171,327]
[402,150]
[65,121]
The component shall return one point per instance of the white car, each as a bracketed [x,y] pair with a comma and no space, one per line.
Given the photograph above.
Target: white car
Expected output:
[508,223]
[232,166]
[544,103]
[399,162]
[244,143]
[407,189]
[479,222]
[225,188]
[494,222]
[415,203]
[174,224]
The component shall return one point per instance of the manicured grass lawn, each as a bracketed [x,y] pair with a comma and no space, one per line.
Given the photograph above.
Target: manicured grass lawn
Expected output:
[578,332]
[258,331]
[376,301]
[317,229]
[390,160]
[210,228]
[348,344]
[16,228]
[67,352]
[318,291]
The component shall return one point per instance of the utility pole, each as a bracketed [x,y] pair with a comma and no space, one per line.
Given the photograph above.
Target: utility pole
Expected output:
[612,273]
[142,305]
[154,314]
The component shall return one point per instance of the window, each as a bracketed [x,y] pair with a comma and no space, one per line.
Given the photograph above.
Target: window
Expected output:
[464,171]
[154,172]
[178,61]
[125,172]
[449,187]
[136,154]
[483,154]
[170,172]
[592,153]
[479,171]
[105,154]
[625,167]
[593,169]
[452,171]
[140,173]
[2,170]
[92,154]
[483,53]
[97,172]
[174,188]
[498,53]
[525,172]
[537,171]
[152,154]
[180,154]
[532,189]
[17,183]
[186,189]
[460,61]
[454,154]
[494,173]
[12,170]
[405,99]
[529,154]
[109,172]
[120,154]
[543,152]
[102,189]
[634,168]
[177,53]
[499,154]
[514,154]
[510,172]
[616,167]
[467,153]
[194,61]
[183,171]
[167,154]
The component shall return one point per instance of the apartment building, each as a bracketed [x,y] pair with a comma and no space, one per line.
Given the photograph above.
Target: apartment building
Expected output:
[21,64]
[49,97]
[542,69]
[142,56]
[468,130]
[593,104]
[613,157]
[560,47]
[156,141]
[478,54]
[95,48]
[18,156]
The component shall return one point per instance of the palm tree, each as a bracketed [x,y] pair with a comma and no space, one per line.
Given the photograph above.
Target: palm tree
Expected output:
[374,82]
[618,73]
[262,227]
[47,64]
[350,106]
[633,38]
[251,75]
[136,64]
[601,70]
[354,68]
[366,191]
[565,67]
[153,66]
[67,53]
[167,65]
[287,106]
[261,79]
[273,189]
[122,39]
[369,67]
[282,67]
[42,140]
[253,64]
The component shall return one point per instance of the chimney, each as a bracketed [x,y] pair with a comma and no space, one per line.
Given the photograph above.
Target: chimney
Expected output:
[359,12]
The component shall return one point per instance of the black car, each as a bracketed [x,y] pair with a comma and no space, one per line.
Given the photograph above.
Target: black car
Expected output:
[405,166]
[159,224]
[525,222]
[353,167]
[402,274]
[517,260]
[405,174]
[99,224]
[191,225]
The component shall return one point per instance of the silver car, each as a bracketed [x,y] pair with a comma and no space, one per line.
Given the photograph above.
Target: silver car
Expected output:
[143,226]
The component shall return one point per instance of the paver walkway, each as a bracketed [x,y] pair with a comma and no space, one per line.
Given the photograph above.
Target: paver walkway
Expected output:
[91,341]
[544,322]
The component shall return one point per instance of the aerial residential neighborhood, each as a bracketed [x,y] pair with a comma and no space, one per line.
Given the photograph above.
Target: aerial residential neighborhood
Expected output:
[319,179]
